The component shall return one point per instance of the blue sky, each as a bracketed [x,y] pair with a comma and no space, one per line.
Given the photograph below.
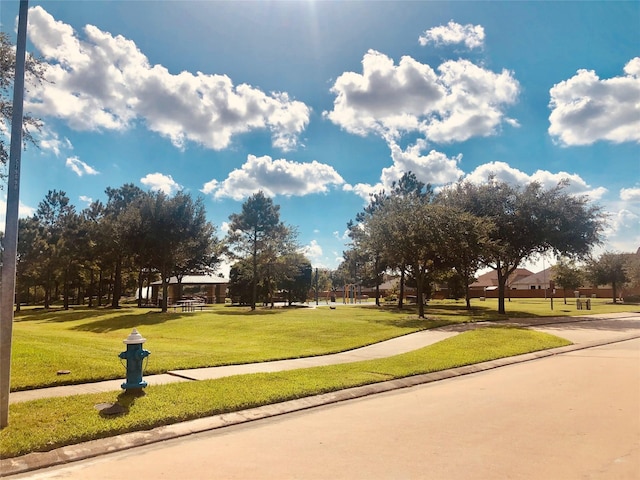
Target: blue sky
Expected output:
[320,103]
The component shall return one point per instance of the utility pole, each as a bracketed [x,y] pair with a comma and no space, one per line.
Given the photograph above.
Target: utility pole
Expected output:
[11,220]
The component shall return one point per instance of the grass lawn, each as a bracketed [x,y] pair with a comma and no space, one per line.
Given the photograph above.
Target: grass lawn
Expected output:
[87,341]
[43,425]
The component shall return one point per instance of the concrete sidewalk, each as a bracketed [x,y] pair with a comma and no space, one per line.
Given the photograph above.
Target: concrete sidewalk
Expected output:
[384,349]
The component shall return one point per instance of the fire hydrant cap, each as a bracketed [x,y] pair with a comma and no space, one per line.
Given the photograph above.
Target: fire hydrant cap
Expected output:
[134,338]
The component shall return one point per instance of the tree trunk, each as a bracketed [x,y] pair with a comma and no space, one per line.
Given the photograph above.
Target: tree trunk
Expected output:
[254,281]
[165,292]
[140,284]
[100,289]
[467,294]
[419,293]
[65,289]
[502,281]
[117,284]
[401,299]
[377,267]
[615,293]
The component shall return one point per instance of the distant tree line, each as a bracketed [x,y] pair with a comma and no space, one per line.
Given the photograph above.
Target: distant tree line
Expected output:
[427,237]
[619,270]
[136,237]
[95,254]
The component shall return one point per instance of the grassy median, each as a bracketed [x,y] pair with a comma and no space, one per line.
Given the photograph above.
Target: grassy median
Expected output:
[43,425]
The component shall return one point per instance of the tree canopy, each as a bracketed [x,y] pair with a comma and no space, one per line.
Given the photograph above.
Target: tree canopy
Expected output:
[256,233]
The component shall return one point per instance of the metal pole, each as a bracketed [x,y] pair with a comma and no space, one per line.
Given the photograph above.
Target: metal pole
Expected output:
[11,219]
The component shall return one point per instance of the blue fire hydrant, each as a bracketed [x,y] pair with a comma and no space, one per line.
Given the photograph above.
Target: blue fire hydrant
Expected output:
[134,356]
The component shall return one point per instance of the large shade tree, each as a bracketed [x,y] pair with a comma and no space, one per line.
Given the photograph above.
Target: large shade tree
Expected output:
[178,236]
[528,221]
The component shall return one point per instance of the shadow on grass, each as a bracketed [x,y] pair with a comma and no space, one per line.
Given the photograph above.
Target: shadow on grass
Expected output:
[128,321]
[237,310]
[123,405]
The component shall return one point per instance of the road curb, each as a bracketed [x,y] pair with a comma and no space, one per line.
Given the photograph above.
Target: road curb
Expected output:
[95,448]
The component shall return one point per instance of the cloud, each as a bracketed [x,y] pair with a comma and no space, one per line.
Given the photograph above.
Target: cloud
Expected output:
[103,81]
[452,33]
[79,167]
[623,231]
[159,181]
[504,172]
[586,109]
[50,141]
[461,101]
[24,211]
[630,194]
[274,177]
[313,251]
[434,168]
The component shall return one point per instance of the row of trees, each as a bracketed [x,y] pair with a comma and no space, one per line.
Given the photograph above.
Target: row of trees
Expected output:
[135,235]
[610,268]
[450,235]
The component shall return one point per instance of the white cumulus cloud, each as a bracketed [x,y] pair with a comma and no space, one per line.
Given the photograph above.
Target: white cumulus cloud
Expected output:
[79,167]
[453,33]
[434,167]
[502,171]
[161,182]
[274,177]
[586,109]
[630,194]
[461,101]
[99,81]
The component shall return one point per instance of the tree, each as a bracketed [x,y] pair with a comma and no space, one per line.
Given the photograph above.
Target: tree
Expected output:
[115,231]
[258,234]
[296,280]
[466,238]
[608,269]
[34,72]
[567,276]
[178,236]
[372,250]
[411,225]
[528,221]
[53,215]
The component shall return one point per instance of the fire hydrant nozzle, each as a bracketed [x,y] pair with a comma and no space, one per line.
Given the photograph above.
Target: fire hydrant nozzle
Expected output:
[134,355]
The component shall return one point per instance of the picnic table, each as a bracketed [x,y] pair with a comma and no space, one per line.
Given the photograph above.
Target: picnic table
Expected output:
[188,305]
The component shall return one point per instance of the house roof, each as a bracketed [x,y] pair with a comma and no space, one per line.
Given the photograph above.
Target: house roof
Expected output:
[490,279]
[540,278]
[196,280]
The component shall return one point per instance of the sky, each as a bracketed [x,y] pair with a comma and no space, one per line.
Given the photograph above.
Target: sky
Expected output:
[320,103]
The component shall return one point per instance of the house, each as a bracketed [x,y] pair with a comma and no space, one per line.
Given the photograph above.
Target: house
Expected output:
[536,281]
[210,288]
[490,279]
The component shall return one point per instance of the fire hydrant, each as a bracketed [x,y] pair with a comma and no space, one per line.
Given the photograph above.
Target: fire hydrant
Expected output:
[134,355]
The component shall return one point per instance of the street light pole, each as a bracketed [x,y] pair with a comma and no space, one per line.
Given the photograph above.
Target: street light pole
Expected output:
[11,220]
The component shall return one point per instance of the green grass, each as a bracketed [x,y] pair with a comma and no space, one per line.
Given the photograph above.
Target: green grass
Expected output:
[43,425]
[87,342]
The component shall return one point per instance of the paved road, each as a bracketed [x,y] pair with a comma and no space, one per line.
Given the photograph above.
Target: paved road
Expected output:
[569,416]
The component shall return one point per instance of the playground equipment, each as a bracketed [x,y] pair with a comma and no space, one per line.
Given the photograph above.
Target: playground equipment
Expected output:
[352,293]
